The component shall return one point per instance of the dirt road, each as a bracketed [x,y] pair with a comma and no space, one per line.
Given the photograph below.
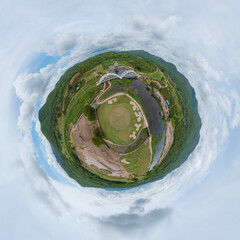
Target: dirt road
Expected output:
[168,141]
[92,156]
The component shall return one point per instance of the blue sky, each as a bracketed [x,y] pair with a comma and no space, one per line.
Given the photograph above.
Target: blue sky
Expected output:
[200,200]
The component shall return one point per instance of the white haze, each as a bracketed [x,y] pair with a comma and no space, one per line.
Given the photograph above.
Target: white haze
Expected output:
[199,200]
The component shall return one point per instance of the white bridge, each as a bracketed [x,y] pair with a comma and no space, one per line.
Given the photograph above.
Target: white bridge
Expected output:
[111,76]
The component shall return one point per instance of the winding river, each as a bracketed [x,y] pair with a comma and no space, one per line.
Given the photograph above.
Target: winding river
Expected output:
[156,123]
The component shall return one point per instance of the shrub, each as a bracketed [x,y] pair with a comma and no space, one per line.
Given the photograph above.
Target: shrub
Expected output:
[89,112]
[97,139]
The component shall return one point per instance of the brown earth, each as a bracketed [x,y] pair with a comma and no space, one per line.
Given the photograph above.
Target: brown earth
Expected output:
[94,157]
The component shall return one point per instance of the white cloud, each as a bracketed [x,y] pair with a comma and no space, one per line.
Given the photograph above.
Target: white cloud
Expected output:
[168,30]
[236,112]
[61,43]
[30,88]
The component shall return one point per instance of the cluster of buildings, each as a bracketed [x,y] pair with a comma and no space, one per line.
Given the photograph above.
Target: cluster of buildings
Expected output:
[116,68]
[117,71]
[122,71]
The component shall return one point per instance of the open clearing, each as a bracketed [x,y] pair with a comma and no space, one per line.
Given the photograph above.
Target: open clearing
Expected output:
[138,162]
[92,156]
[120,119]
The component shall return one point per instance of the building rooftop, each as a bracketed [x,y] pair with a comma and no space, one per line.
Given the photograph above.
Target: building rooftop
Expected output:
[116,64]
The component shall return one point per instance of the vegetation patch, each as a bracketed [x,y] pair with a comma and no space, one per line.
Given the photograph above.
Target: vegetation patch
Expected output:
[97,139]
[89,112]
[139,142]
[119,122]
[138,161]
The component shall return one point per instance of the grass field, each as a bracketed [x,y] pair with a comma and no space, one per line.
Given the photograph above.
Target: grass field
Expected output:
[118,120]
[138,162]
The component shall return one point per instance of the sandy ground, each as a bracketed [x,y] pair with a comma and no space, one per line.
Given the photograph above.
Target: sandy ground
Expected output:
[168,141]
[93,156]
[124,161]
[134,106]
[137,126]
[112,101]
[133,135]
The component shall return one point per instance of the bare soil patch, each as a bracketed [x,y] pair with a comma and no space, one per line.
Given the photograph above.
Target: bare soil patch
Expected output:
[92,156]
[168,141]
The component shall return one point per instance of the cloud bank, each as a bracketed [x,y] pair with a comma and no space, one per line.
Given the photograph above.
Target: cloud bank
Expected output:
[188,35]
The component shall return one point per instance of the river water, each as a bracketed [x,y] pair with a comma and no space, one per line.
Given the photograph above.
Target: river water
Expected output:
[156,123]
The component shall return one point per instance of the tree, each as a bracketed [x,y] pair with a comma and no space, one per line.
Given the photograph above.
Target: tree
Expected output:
[97,139]
[89,112]
[97,133]
[125,89]
[135,92]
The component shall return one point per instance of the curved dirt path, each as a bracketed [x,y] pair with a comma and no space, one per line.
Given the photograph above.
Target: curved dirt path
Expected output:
[168,141]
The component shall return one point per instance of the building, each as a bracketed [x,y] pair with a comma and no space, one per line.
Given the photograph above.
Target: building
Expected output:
[116,65]
[114,68]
